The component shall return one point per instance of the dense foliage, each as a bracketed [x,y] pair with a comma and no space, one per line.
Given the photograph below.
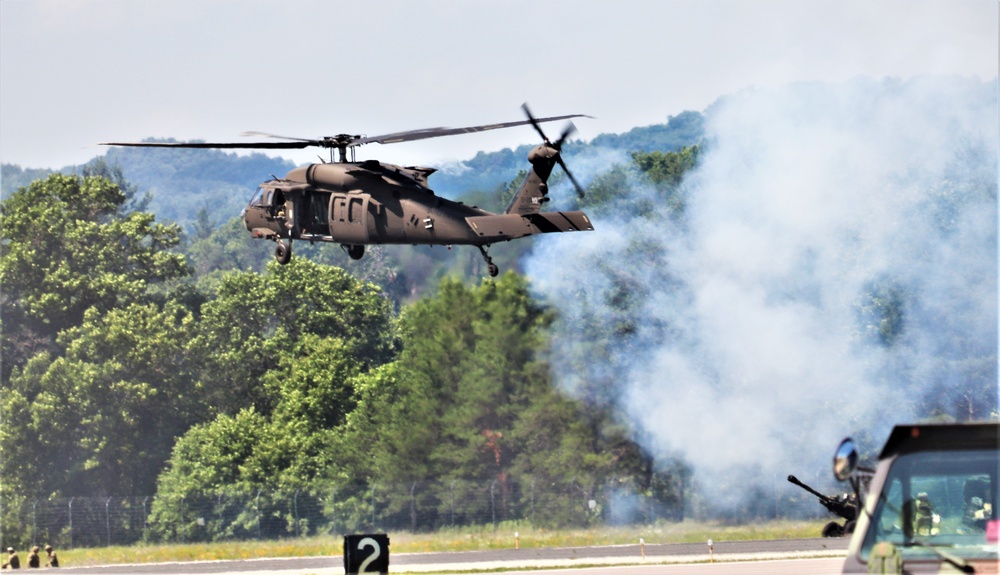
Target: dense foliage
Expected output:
[120,363]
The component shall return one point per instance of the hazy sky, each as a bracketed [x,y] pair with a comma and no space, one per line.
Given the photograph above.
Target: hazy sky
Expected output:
[77,72]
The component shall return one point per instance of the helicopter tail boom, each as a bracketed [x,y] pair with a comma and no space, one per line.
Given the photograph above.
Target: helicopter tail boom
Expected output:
[509,226]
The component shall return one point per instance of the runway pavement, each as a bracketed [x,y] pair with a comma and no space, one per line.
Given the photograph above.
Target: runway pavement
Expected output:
[792,556]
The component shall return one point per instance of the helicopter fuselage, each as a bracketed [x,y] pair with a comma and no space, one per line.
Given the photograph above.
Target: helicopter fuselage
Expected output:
[366,203]
[357,204]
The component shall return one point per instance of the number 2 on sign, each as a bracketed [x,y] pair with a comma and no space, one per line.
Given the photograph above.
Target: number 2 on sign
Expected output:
[368,542]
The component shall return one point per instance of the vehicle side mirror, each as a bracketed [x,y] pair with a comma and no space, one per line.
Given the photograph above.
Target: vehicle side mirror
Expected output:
[845,461]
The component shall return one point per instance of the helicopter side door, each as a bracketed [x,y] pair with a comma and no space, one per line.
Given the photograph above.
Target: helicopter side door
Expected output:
[314,215]
[349,218]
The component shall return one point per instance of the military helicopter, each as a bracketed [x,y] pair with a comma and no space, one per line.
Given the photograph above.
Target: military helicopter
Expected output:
[357,204]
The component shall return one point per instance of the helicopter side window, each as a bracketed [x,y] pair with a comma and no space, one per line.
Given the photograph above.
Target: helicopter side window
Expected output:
[267,197]
[277,203]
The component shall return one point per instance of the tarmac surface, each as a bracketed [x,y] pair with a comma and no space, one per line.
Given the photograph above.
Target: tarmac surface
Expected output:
[819,556]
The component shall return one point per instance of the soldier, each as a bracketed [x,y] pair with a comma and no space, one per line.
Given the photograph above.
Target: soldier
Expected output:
[53,560]
[926,520]
[976,514]
[977,510]
[12,561]
[33,561]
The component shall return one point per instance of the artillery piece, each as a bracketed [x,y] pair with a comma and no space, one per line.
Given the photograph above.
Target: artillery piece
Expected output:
[844,505]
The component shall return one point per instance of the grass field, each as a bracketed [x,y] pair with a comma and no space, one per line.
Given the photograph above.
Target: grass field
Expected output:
[466,539]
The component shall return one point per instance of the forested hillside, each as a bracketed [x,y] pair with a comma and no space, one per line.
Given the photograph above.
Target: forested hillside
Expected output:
[140,359]
[762,280]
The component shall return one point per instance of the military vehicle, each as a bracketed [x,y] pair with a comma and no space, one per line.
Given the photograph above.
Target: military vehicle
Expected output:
[929,507]
[844,505]
[357,204]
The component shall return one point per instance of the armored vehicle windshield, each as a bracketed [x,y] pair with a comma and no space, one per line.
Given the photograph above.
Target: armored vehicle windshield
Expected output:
[933,501]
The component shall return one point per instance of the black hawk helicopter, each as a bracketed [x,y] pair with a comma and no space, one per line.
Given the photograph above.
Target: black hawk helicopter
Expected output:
[370,202]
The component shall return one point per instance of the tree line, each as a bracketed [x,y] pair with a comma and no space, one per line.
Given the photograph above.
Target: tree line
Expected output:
[127,371]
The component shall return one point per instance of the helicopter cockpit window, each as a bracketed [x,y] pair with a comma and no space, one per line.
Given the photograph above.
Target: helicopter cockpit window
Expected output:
[938,499]
[258,197]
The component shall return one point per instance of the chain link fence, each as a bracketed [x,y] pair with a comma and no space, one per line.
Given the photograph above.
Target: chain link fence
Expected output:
[337,509]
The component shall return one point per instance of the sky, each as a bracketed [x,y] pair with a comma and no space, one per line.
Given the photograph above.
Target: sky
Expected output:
[74,73]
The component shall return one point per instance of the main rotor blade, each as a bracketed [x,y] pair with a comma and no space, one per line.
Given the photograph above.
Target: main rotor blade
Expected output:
[346,139]
[219,145]
[439,132]
[266,135]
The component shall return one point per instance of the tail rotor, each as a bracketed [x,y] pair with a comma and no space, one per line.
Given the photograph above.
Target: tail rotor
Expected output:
[557,145]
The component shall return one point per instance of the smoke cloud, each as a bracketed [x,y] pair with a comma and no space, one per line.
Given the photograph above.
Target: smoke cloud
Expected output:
[833,272]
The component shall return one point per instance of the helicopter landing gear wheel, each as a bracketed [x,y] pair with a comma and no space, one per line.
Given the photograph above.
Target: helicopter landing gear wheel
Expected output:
[283,252]
[833,529]
[490,266]
[355,251]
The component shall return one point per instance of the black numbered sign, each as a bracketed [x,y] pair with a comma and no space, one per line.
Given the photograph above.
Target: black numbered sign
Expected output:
[366,554]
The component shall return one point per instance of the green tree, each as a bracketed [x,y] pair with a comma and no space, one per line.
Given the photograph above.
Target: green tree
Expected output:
[471,399]
[257,320]
[287,347]
[93,390]
[610,186]
[101,418]
[65,249]
[214,250]
[468,398]
[365,446]
[666,170]
[211,459]
[284,353]
[133,202]
[500,377]
[212,454]
[315,387]
[477,398]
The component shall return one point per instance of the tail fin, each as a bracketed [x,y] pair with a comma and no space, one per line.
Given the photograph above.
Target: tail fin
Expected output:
[534,189]
[530,196]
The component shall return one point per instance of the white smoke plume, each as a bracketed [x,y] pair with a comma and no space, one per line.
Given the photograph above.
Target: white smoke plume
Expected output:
[834,272]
